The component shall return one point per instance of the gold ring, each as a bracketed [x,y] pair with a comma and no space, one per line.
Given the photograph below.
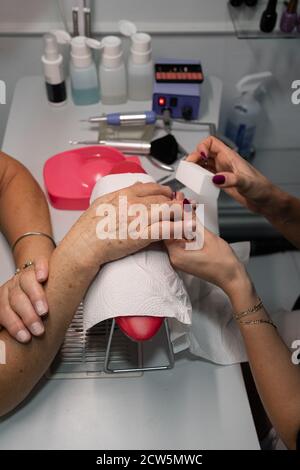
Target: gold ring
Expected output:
[27,264]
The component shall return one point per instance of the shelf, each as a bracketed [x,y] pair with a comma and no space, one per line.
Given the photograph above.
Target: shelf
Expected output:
[246,21]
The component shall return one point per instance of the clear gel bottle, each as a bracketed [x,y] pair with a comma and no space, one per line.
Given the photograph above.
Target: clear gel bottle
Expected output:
[140,66]
[112,72]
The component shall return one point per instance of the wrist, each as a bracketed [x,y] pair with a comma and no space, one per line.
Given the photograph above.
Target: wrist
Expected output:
[31,248]
[80,255]
[277,204]
[240,290]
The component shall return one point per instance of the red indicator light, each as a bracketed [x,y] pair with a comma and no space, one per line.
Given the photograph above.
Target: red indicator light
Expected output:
[162,101]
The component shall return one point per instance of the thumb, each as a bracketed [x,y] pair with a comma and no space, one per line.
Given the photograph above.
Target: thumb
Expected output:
[231,180]
[42,268]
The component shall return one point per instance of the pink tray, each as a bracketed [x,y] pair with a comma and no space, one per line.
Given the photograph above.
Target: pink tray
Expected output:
[70,176]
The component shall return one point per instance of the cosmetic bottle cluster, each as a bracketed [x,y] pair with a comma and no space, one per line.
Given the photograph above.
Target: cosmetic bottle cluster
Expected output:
[289,20]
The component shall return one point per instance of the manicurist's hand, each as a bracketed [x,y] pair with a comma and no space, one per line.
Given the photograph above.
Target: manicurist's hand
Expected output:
[23,302]
[215,262]
[94,241]
[236,176]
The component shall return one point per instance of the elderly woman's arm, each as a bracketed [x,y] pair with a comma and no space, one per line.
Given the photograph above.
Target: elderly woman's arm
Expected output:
[25,364]
[23,208]
[73,266]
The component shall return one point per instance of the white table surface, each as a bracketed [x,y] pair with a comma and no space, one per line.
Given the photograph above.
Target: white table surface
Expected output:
[194,406]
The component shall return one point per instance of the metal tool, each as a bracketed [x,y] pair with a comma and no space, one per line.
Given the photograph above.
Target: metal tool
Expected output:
[130,147]
[75,11]
[124,119]
[87,22]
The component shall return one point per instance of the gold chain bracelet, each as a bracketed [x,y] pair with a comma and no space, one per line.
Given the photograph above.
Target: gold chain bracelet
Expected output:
[258,322]
[253,309]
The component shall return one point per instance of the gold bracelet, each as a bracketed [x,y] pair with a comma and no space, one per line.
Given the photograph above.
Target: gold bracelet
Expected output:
[26,265]
[30,234]
[254,309]
[258,322]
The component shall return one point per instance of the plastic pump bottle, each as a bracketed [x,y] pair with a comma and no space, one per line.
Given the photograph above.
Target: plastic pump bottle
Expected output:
[84,77]
[140,66]
[245,113]
[83,71]
[112,72]
[53,70]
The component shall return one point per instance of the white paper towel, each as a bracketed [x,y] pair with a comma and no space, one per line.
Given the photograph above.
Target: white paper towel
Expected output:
[214,334]
[141,284]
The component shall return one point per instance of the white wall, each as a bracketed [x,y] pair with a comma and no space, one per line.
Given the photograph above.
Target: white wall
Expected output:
[221,54]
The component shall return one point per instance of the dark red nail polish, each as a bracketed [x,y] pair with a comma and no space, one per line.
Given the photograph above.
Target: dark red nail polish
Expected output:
[219,179]
[187,205]
[204,156]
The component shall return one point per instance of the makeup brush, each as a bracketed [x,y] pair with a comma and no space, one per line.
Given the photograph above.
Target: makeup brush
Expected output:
[165,149]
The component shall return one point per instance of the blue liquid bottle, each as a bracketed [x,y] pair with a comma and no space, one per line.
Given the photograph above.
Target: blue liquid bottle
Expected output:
[83,71]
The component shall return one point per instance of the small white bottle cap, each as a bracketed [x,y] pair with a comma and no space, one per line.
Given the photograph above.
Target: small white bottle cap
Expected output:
[141,48]
[80,52]
[112,51]
[141,42]
[51,47]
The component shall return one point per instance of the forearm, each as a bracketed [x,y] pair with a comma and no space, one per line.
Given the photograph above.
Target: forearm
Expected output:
[277,379]
[25,364]
[23,208]
[283,212]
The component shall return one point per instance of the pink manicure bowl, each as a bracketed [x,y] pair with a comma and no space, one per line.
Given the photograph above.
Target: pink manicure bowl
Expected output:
[70,176]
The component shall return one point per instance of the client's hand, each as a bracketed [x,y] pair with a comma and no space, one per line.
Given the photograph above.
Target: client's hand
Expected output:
[215,262]
[95,238]
[23,302]
[236,176]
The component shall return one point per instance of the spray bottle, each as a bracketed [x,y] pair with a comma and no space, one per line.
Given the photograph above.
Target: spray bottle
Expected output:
[140,65]
[83,71]
[52,62]
[245,112]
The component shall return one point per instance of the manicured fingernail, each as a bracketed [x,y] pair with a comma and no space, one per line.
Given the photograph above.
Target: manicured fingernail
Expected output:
[23,336]
[219,179]
[41,307]
[204,156]
[36,328]
[187,205]
[40,275]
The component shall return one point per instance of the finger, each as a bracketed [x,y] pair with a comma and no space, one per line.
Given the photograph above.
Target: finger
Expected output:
[179,196]
[14,325]
[168,211]
[211,146]
[165,230]
[194,157]
[22,306]
[232,180]
[151,189]
[41,268]
[34,291]
[155,200]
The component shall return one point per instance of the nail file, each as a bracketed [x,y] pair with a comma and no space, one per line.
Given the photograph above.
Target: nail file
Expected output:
[197,179]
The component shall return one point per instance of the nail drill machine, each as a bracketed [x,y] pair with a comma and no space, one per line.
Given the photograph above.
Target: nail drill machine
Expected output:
[177,88]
